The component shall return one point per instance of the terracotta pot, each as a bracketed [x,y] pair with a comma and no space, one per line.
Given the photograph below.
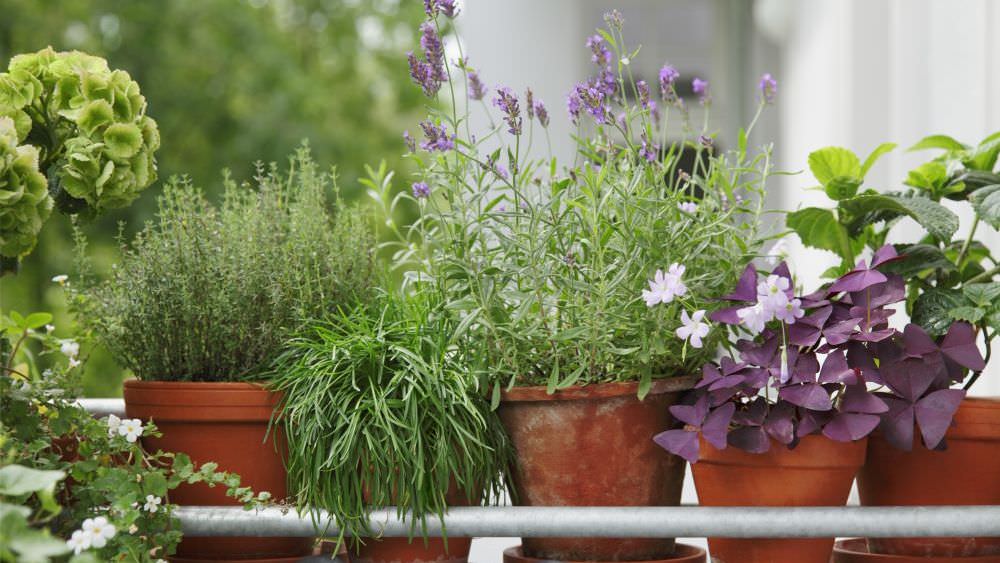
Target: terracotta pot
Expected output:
[818,472]
[856,551]
[967,473]
[593,446]
[682,554]
[226,423]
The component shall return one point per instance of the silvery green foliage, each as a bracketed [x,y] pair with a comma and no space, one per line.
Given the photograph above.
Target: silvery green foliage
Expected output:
[89,123]
[209,292]
[24,198]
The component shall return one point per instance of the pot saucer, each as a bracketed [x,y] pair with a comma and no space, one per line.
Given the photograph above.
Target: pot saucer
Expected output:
[856,551]
[682,554]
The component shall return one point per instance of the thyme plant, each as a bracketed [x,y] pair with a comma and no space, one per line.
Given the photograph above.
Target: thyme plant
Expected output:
[581,273]
[380,411]
[209,293]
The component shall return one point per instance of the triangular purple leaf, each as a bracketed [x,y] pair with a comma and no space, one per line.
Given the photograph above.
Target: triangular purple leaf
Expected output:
[857,280]
[682,443]
[691,414]
[751,439]
[960,346]
[849,426]
[935,412]
[908,378]
[717,425]
[897,423]
[779,423]
[726,315]
[887,253]
[808,395]
[857,399]
[746,288]
[916,342]
[836,370]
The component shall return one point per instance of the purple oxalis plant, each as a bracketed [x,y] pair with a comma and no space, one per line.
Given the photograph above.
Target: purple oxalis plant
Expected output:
[825,363]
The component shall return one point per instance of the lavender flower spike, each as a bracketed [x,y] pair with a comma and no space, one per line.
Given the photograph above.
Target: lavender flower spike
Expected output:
[668,75]
[446,7]
[600,53]
[700,87]
[541,112]
[433,51]
[768,87]
[477,90]
[437,137]
[421,190]
[508,104]
[529,103]
[423,75]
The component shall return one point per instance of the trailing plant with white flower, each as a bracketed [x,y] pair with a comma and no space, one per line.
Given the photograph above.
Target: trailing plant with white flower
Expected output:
[546,266]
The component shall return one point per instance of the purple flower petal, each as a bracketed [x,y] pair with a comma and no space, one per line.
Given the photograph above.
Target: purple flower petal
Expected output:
[849,426]
[836,370]
[717,425]
[935,412]
[751,439]
[857,399]
[897,423]
[782,270]
[682,443]
[779,423]
[808,395]
[960,346]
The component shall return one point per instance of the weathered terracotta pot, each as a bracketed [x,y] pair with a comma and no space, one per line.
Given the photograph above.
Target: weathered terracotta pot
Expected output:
[856,551]
[593,446]
[967,473]
[818,472]
[226,423]
[682,554]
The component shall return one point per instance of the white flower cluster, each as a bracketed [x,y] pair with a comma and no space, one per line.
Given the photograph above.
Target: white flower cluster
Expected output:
[95,533]
[772,303]
[664,287]
[131,428]
[71,349]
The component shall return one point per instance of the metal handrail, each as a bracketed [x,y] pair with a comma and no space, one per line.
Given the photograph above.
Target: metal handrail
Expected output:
[612,522]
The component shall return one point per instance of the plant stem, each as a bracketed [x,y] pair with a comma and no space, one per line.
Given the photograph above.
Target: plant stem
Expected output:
[986,359]
[967,243]
[983,276]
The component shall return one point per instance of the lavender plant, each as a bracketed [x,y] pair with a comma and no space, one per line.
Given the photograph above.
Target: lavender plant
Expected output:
[805,365]
[573,274]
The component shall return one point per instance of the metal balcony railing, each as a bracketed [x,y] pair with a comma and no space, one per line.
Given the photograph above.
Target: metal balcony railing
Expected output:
[611,522]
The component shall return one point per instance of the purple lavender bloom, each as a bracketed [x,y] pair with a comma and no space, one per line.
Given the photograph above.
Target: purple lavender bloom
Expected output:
[437,137]
[622,120]
[654,111]
[423,75]
[430,42]
[477,90]
[430,8]
[541,112]
[421,190]
[600,53]
[411,144]
[700,87]
[614,19]
[649,151]
[529,104]
[668,75]
[768,87]
[448,8]
[643,90]
[508,104]
[574,104]
[607,82]
[500,171]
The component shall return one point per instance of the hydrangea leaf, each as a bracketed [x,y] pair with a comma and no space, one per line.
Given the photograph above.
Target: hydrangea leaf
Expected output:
[938,142]
[986,202]
[968,314]
[932,309]
[837,169]
[819,228]
[869,208]
[983,294]
[874,156]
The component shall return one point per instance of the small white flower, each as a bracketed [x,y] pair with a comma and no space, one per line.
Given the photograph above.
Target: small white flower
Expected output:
[114,423]
[688,206]
[664,287]
[131,428]
[60,279]
[152,503]
[626,61]
[78,542]
[773,287]
[133,529]
[70,348]
[73,363]
[791,311]
[99,531]
[754,317]
[50,328]
[693,328]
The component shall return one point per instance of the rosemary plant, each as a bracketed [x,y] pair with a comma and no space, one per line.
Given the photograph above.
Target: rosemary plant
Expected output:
[209,293]
[548,266]
[380,411]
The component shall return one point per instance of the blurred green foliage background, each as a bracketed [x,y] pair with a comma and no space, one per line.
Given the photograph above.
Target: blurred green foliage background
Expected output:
[230,82]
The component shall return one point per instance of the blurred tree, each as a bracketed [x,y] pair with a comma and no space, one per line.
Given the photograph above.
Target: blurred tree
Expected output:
[230,82]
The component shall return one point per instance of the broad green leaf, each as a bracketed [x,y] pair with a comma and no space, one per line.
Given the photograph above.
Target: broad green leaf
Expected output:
[16,480]
[938,142]
[932,309]
[874,156]
[918,258]
[819,228]
[155,484]
[865,209]
[968,314]
[830,162]
[842,187]
[36,546]
[929,176]
[986,202]
[37,320]
[984,157]
[983,294]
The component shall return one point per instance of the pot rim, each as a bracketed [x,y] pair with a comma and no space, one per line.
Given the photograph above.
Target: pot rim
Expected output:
[814,451]
[591,391]
[857,548]
[683,553]
[187,401]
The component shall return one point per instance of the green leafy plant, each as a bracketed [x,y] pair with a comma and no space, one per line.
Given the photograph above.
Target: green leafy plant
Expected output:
[548,268]
[92,137]
[72,484]
[209,293]
[948,280]
[24,195]
[403,422]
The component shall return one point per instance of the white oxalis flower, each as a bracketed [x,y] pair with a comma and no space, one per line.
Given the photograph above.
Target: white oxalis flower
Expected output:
[693,328]
[78,542]
[754,317]
[790,312]
[114,423]
[664,287]
[60,279]
[131,428]
[98,530]
[70,348]
[152,503]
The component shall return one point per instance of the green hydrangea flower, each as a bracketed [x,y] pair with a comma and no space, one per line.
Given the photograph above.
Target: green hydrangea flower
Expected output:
[24,197]
[89,123]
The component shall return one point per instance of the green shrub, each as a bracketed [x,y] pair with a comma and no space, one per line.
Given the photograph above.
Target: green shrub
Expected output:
[209,293]
[24,197]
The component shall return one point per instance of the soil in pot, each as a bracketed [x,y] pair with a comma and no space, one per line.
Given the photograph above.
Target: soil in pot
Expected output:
[593,446]
[226,423]
[682,554]
[818,472]
[856,551]
[966,473]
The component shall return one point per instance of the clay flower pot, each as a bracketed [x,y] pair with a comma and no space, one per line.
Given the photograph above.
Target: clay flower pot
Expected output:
[593,446]
[856,551]
[226,423]
[966,473]
[818,472]
[405,550]
[682,554]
